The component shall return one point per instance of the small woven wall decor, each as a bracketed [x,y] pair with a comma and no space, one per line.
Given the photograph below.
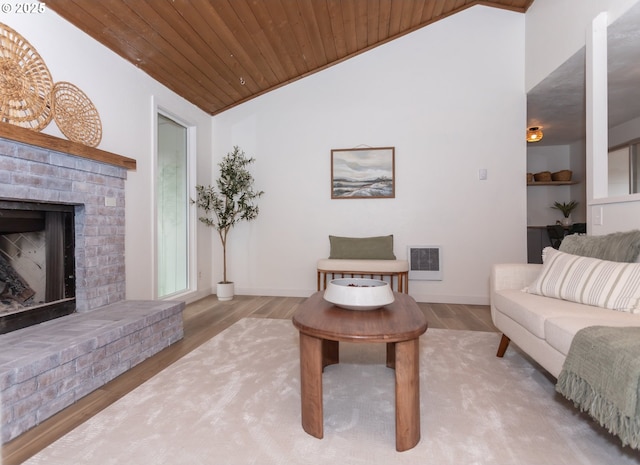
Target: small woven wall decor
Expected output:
[75,114]
[25,83]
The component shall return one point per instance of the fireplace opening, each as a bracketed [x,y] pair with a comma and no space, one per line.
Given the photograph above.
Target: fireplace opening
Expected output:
[37,263]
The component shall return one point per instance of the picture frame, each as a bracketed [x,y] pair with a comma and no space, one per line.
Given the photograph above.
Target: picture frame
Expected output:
[363,173]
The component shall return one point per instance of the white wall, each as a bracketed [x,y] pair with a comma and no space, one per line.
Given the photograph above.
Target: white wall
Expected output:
[624,133]
[556,29]
[450,98]
[123,97]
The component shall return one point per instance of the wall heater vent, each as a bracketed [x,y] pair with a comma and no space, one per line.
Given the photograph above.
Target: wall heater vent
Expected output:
[425,263]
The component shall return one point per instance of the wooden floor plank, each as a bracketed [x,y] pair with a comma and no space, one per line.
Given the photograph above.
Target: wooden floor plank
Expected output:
[203,320]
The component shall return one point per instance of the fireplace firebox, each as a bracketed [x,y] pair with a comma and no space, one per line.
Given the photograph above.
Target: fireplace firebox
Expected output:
[37,263]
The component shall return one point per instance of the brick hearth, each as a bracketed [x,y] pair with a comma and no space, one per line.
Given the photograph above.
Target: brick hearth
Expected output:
[47,367]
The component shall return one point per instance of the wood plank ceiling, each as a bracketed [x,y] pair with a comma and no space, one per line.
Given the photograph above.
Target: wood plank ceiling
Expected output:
[220,53]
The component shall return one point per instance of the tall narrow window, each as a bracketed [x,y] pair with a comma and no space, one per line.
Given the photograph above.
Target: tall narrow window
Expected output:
[172,208]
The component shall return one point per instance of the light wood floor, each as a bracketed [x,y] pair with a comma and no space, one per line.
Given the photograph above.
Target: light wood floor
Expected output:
[202,321]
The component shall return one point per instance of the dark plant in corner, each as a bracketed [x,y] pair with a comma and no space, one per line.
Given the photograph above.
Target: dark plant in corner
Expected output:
[565,208]
[230,201]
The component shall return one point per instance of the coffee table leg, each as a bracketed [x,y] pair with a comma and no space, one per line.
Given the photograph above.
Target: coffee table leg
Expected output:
[330,352]
[391,355]
[407,394]
[311,384]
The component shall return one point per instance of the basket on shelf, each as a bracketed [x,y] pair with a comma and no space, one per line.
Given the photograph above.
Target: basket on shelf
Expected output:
[529,177]
[75,114]
[543,176]
[563,175]
[25,83]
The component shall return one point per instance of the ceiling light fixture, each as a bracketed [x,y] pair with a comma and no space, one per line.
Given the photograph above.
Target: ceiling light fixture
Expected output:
[534,134]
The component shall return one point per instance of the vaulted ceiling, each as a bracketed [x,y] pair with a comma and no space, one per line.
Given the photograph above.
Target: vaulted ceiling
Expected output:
[220,53]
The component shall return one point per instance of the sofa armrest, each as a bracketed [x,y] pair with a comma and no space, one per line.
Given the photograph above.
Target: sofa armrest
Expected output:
[513,275]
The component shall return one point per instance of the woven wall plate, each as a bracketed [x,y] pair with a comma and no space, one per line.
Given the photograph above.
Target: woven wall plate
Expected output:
[75,115]
[25,83]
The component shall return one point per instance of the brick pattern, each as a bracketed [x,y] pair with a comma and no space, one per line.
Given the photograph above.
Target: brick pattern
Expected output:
[47,367]
[34,174]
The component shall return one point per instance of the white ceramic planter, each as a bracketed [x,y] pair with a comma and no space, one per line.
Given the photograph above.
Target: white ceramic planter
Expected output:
[225,291]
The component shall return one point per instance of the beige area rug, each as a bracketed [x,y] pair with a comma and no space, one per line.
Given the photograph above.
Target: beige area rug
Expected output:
[236,400]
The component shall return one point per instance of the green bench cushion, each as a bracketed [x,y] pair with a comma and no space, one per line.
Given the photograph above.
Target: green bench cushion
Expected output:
[362,248]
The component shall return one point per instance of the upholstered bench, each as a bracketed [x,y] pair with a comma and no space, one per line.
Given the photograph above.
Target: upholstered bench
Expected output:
[398,269]
[368,257]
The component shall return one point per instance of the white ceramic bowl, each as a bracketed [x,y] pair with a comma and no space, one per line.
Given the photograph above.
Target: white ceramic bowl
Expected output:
[358,293]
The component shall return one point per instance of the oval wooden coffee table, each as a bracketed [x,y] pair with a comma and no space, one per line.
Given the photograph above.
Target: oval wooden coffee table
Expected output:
[322,326]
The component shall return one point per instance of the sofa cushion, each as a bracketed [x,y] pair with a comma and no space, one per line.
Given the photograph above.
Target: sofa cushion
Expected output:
[616,247]
[531,311]
[559,331]
[590,281]
[363,266]
[361,248]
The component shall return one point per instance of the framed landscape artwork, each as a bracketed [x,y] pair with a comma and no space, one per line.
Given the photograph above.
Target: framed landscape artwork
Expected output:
[363,173]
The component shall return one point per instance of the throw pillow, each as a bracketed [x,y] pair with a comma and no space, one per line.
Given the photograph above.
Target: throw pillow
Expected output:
[617,247]
[366,248]
[589,281]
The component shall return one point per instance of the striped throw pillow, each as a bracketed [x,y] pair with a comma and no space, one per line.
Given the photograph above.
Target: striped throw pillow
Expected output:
[602,283]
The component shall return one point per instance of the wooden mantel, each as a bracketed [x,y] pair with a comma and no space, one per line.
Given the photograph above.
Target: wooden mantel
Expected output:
[48,142]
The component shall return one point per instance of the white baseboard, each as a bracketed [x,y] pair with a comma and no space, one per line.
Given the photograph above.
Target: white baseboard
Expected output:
[450,299]
[275,292]
[191,297]
[441,299]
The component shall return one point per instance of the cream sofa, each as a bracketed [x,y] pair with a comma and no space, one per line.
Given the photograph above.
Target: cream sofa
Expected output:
[544,327]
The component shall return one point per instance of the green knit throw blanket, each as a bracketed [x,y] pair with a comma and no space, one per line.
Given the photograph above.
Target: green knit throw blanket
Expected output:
[601,376]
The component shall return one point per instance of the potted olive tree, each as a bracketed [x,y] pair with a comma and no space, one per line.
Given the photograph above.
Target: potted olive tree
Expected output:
[230,201]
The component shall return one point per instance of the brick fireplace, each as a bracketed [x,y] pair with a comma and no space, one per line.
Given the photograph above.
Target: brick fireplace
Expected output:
[37,263]
[30,173]
[49,366]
